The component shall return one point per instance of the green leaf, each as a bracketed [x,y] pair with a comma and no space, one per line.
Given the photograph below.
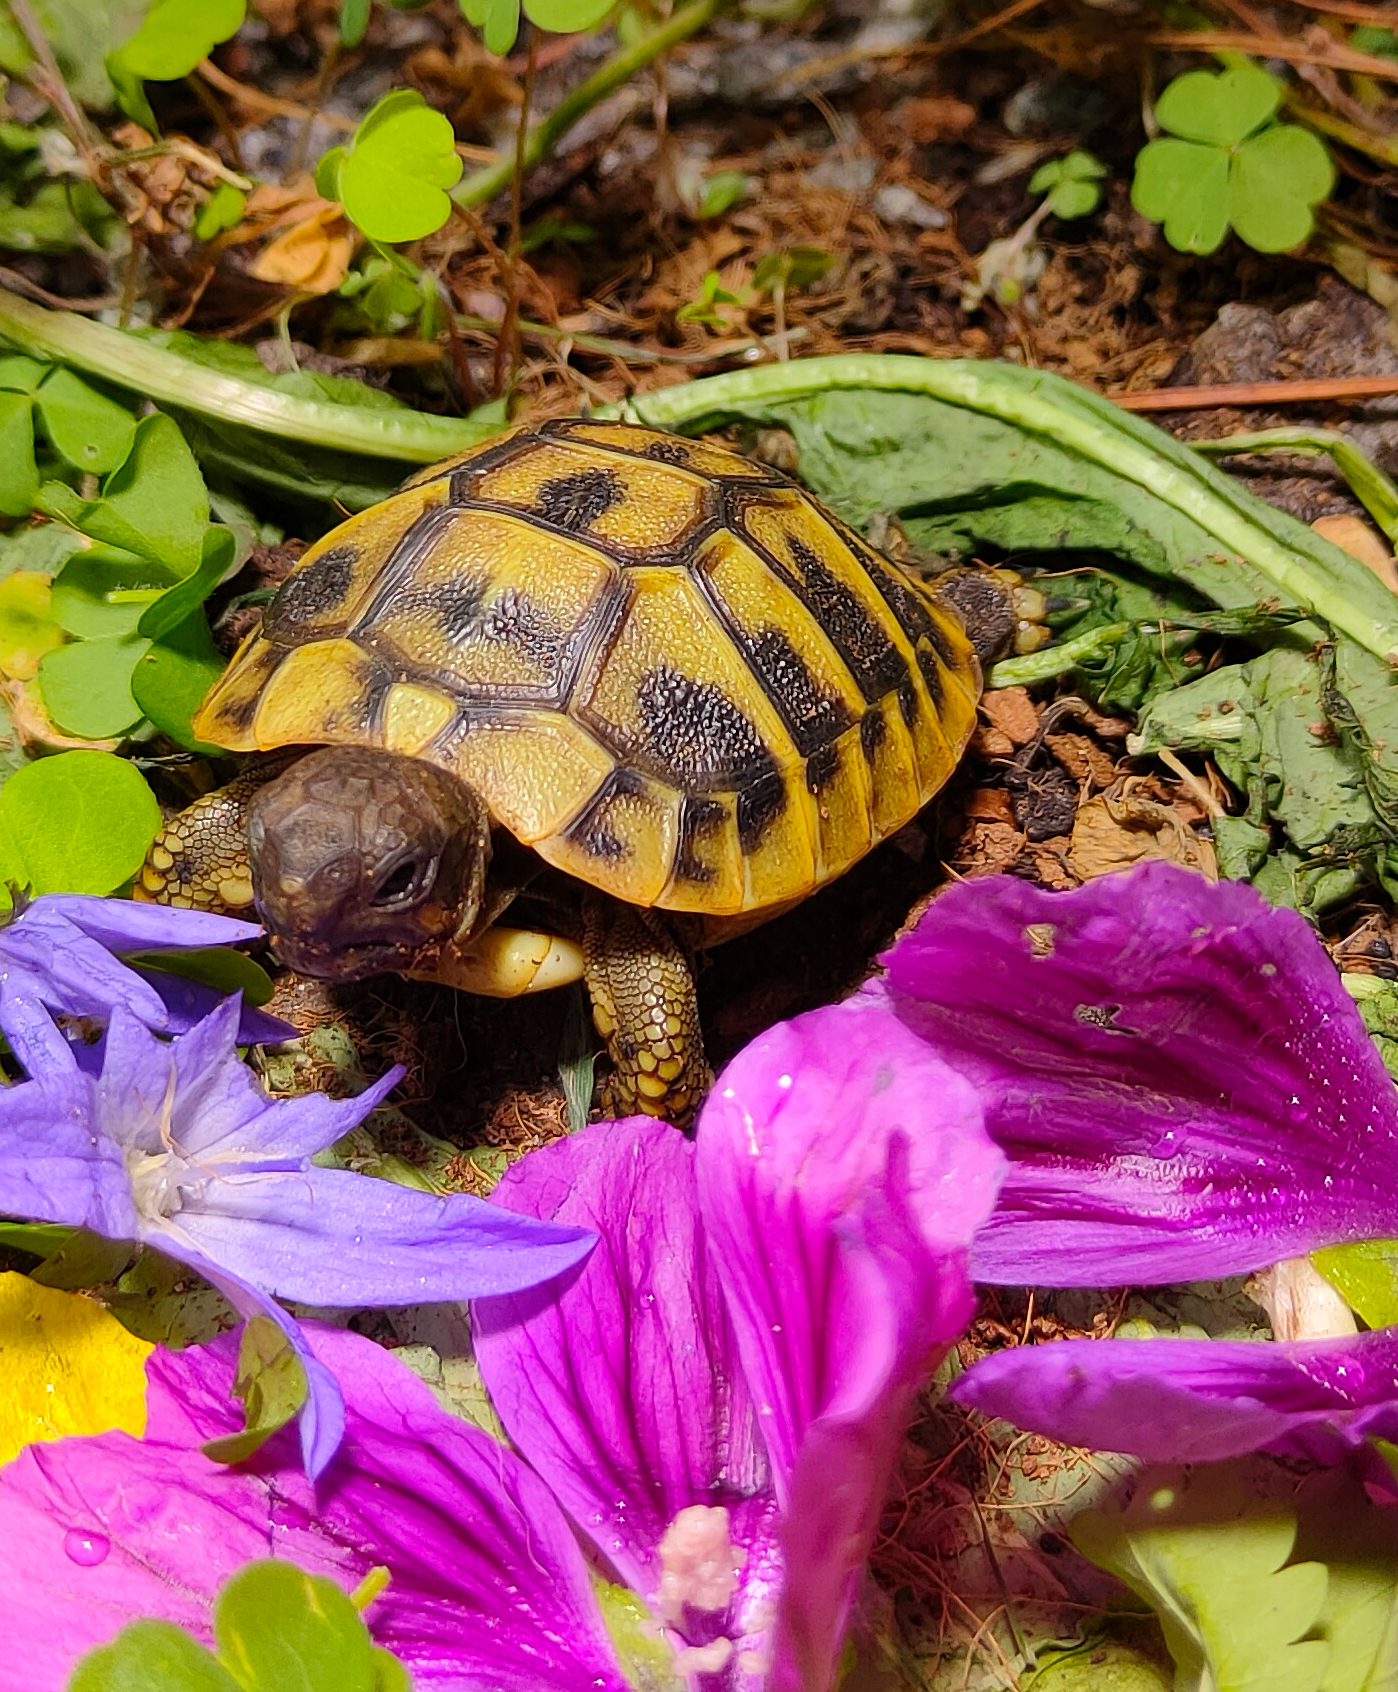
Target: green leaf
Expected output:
[1220,108]
[28,630]
[393,181]
[271,1385]
[389,1674]
[354,21]
[724,190]
[223,210]
[170,680]
[1208,1555]
[19,375]
[1073,198]
[81,33]
[1366,1277]
[182,600]
[86,686]
[563,17]
[223,968]
[278,1628]
[497,19]
[1184,186]
[155,503]
[19,475]
[79,822]
[178,34]
[91,431]
[327,177]
[82,599]
[1276,178]
[152,1656]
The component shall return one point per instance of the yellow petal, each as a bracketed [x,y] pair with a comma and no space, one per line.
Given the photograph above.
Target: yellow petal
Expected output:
[68,1367]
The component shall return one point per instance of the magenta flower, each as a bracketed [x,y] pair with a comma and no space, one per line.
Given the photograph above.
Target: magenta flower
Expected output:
[56,957]
[1184,1091]
[714,1400]
[175,1145]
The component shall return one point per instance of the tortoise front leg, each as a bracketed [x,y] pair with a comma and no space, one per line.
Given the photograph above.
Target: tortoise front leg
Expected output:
[646,1009]
[199,860]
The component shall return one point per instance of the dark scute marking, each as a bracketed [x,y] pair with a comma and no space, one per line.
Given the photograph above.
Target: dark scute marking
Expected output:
[873,731]
[813,716]
[874,661]
[902,598]
[668,451]
[513,619]
[311,592]
[459,488]
[575,502]
[699,737]
[590,831]
[931,673]
[699,819]
[822,767]
[759,806]
[907,702]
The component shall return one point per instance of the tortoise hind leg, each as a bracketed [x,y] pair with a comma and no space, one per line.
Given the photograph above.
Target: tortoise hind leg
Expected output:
[199,860]
[646,1009]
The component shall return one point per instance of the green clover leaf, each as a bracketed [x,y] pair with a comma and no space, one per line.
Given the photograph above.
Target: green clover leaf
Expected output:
[393,177]
[177,35]
[1227,163]
[1070,183]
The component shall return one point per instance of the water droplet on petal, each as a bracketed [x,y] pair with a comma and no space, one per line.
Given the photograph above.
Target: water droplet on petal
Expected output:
[87,1550]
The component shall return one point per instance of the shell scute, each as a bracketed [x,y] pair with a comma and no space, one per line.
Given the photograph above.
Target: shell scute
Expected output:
[666,669]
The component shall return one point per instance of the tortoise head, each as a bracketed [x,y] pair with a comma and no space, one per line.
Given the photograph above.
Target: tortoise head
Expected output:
[363,860]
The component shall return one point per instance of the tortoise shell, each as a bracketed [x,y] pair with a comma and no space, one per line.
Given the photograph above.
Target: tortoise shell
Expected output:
[666,669]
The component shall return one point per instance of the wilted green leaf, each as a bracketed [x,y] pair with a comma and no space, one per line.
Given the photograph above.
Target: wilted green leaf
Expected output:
[28,629]
[271,1385]
[393,178]
[178,34]
[79,822]
[86,686]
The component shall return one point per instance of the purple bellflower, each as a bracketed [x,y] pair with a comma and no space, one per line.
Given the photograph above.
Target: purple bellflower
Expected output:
[713,1400]
[174,1144]
[56,957]
[1184,1091]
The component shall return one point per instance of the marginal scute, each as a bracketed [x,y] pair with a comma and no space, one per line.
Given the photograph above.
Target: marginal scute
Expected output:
[664,668]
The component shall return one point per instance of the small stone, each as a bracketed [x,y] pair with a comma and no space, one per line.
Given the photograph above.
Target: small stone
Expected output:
[899,204]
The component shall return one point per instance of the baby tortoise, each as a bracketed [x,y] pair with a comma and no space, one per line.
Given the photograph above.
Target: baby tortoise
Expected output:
[689,691]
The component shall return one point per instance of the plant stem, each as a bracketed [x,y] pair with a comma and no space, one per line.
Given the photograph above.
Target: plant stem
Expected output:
[1375,491]
[483,185]
[166,377]
[507,341]
[1057,660]
[1312,574]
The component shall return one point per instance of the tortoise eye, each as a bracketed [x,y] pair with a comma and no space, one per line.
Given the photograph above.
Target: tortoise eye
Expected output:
[405,882]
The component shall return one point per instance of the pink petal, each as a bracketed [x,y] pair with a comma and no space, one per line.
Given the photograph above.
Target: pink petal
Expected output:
[488,1591]
[1183,1087]
[842,1172]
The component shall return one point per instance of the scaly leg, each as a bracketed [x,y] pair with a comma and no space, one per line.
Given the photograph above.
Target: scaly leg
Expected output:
[199,860]
[646,1009]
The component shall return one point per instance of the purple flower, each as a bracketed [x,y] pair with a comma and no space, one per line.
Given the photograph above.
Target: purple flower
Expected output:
[1184,1091]
[175,1145]
[717,1398]
[56,956]
[714,1399]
